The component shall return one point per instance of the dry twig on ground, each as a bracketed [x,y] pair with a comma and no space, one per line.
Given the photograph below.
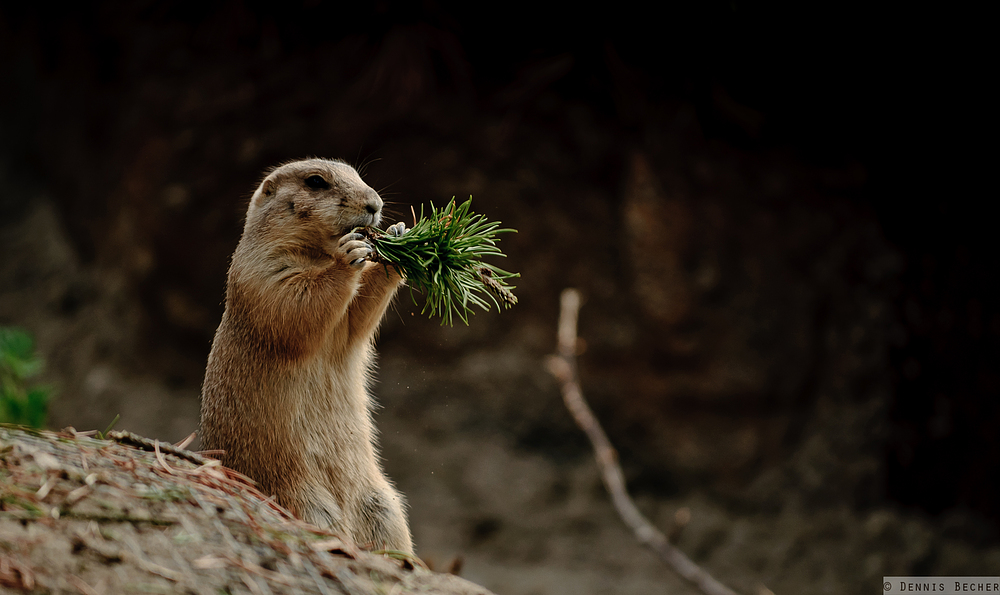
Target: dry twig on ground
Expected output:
[562,365]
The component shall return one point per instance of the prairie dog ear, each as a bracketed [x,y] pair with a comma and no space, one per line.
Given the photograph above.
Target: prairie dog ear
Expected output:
[262,195]
[267,188]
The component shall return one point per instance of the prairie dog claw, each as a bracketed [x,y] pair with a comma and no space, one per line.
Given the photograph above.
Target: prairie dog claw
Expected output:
[354,249]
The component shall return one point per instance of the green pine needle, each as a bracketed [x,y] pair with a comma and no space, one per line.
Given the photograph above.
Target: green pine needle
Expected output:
[441,257]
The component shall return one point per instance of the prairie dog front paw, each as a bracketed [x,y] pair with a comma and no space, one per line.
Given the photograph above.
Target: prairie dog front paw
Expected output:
[353,249]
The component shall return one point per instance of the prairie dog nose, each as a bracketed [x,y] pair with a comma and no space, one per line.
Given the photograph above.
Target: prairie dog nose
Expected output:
[373,204]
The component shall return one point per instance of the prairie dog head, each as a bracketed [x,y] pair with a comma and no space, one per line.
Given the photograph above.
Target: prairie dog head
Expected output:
[314,199]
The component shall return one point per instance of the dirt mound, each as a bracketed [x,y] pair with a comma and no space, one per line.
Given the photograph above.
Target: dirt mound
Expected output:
[88,515]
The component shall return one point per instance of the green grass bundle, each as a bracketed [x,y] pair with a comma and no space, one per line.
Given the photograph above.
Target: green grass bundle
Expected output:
[442,258]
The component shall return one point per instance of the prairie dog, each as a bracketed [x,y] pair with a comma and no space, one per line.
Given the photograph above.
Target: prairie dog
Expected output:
[286,386]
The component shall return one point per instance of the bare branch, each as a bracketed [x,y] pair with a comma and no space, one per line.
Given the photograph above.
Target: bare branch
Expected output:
[152,446]
[563,367]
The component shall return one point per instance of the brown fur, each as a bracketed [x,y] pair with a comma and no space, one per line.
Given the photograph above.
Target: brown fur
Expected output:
[286,388]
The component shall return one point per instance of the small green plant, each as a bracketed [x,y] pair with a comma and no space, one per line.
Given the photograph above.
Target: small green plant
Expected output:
[442,258]
[104,435]
[20,404]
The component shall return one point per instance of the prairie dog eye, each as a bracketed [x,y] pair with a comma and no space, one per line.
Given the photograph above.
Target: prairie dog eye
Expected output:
[317,183]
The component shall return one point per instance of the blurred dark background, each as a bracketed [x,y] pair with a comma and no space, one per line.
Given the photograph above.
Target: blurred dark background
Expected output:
[779,216]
